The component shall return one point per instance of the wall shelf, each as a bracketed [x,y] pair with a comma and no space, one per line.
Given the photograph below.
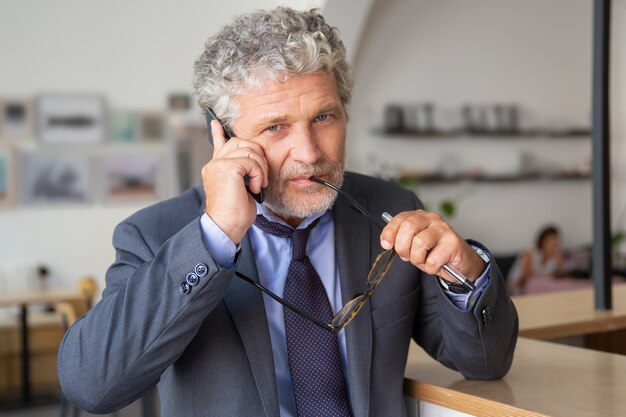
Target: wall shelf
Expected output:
[426,179]
[582,133]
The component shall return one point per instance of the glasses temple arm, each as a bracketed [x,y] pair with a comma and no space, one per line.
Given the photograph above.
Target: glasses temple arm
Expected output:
[290,306]
[352,201]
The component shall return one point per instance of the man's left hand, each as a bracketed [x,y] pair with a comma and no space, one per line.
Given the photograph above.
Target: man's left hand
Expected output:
[428,242]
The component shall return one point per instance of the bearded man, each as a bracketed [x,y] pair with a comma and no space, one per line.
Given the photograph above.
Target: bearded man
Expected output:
[238,297]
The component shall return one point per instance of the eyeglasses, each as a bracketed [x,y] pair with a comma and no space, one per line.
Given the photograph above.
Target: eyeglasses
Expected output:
[379,269]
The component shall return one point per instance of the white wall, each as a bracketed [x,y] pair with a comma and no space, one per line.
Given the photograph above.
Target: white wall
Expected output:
[536,53]
[134,53]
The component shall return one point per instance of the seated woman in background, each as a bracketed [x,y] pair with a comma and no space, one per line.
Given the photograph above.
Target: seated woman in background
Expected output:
[546,259]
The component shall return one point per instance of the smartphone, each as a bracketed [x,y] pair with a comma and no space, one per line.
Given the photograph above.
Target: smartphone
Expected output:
[210,115]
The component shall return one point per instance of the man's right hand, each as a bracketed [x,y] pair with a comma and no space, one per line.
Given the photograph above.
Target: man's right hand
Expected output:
[228,203]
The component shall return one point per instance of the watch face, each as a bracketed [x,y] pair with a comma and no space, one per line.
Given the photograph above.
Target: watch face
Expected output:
[480,253]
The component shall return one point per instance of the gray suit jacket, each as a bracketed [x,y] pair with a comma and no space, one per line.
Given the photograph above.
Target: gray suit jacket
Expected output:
[209,350]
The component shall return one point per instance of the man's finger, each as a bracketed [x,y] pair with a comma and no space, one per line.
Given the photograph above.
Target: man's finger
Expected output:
[415,222]
[219,137]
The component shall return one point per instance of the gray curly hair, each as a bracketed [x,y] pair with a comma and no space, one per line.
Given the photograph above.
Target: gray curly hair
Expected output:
[267,45]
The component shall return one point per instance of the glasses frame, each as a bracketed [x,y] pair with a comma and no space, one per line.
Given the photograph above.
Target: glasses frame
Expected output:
[356,303]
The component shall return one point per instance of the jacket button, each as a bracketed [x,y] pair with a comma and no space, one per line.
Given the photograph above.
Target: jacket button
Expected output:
[486,313]
[192,279]
[201,270]
[185,288]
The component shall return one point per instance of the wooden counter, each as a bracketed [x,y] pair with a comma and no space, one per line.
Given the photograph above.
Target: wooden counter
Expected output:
[546,379]
[569,313]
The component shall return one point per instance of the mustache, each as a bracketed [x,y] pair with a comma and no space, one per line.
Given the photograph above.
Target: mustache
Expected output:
[302,170]
[302,204]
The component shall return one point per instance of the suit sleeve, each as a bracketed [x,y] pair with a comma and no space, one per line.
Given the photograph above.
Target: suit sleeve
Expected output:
[143,323]
[479,342]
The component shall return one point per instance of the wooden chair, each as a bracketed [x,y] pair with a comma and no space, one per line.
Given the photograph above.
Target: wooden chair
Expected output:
[89,287]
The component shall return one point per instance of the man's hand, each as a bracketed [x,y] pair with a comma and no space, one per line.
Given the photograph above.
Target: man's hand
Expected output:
[228,203]
[428,242]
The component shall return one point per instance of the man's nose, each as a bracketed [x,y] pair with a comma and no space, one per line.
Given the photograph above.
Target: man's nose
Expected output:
[304,146]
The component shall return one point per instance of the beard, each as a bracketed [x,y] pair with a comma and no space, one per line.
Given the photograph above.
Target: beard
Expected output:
[303,202]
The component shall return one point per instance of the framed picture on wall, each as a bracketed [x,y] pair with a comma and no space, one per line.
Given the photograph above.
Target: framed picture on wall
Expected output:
[16,118]
[124,126]
[152,126]
[71,119]
[178,102]
[8,178]
[55,178]
[132,177]
[193,149]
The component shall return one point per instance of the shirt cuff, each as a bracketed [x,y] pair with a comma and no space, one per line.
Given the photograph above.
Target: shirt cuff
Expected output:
[217,243]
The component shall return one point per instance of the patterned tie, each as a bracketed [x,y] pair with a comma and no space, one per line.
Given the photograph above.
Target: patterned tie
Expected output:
[314,361]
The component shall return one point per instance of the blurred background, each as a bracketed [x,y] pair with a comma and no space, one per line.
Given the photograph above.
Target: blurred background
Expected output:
[481,107]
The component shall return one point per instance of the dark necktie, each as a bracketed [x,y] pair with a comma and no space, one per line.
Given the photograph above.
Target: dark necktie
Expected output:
[314,362]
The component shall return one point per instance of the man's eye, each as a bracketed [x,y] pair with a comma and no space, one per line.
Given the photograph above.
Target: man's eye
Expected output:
[322,117]
[273,128]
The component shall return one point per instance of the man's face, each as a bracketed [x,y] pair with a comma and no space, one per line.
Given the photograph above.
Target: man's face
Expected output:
[301,125]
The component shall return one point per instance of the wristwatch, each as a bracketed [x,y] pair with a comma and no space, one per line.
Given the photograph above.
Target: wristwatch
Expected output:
[483,255]
[457,288]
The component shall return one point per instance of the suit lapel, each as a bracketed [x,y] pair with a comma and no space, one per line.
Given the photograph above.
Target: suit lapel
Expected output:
[352,247]
[245,304]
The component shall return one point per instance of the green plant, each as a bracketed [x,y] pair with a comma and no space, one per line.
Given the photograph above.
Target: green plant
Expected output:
[448,207]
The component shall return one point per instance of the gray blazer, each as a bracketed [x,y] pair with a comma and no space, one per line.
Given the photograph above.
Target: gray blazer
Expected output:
[209,350]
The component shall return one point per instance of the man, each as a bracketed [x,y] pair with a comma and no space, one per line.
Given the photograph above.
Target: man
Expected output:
[178,311]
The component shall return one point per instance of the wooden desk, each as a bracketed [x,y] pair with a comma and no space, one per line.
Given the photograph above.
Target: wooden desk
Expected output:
[24,300]
[568,313]
[541,284]
[546,379]
[39,297]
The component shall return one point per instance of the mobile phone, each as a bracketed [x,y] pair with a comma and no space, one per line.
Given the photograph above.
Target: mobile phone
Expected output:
[210,115]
